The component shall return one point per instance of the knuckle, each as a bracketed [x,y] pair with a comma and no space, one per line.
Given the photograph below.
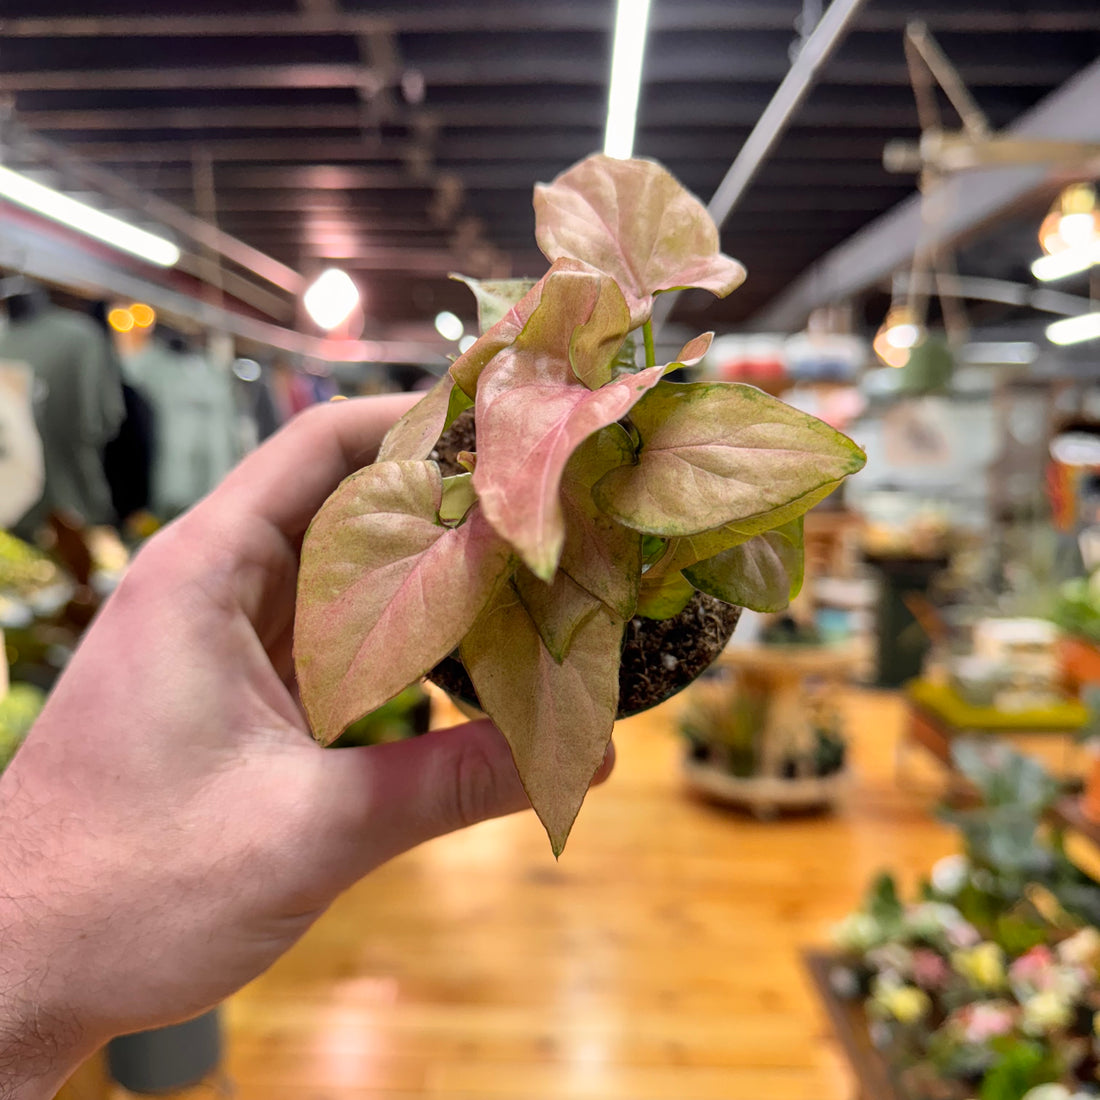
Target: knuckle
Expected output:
[475,784]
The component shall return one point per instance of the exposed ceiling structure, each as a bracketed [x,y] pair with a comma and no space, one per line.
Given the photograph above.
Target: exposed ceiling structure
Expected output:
[401,141]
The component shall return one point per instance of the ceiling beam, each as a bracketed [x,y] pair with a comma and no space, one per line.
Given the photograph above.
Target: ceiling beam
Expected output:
[968,201]
[715,111]
[167,214]
[569,144]
[449,17]
[41,255]
[758,66]
[520,176]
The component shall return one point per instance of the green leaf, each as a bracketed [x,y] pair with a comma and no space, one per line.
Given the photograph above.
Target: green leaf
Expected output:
[458,498]
[417,432]
[594,348]
[495,297]
[724,453]
[532,413]
[557,718]
[558,609]
[602,556]
[385,591]
[661,597]
[762,574]
[633,220]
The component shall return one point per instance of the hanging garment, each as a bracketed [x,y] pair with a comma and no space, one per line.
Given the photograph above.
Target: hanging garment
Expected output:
[22,470]
[78,408]
[196,430]
[128,458]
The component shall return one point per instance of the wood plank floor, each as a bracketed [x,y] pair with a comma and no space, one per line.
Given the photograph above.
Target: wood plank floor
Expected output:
[659,960]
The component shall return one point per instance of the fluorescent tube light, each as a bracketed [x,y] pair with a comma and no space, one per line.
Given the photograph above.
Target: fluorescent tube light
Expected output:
[1069,262]
[93,223]
[1074,330]
[631,21]
[996,353]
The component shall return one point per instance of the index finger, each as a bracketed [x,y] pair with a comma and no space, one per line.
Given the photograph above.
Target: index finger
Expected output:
[286,480]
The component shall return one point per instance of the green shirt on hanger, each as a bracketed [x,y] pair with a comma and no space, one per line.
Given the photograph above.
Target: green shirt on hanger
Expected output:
[78,408]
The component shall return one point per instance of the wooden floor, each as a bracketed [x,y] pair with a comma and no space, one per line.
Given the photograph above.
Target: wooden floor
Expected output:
[658,959]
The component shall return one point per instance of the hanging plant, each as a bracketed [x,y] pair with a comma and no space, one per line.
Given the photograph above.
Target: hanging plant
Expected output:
[583,516]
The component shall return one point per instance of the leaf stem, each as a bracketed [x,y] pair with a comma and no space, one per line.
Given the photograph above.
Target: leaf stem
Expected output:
[650,354]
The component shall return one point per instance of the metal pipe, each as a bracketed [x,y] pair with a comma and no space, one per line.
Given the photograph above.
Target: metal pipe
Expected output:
[800,78]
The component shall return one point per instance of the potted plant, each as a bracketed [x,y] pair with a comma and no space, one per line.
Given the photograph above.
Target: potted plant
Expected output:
[585,555]
[763,739]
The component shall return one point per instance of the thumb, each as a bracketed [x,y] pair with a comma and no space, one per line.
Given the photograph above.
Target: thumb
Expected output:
[399,795]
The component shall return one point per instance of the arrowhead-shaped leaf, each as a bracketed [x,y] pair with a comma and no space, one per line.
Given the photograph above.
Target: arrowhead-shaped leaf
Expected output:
[596,343]
[601,555]
[532,413]
[385,591]
[723,453]
[467,368]
[458,498]
[763,574]
[417,432]
[694,350]
[557,718]
[495,297]
[633,220]
[660,596]
[558,609]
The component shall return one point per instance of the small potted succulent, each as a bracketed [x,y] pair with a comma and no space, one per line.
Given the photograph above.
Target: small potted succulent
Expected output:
[554,531]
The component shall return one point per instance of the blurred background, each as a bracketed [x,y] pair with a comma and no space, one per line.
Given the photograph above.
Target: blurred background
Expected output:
[857,858]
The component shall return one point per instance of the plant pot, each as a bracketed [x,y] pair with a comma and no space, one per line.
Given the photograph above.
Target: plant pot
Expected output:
[767,796]
[659,657]
[167,1058]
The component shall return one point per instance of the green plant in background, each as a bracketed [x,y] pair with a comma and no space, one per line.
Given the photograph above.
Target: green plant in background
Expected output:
[1077,609]
[404,716]
[987,988]
[531,562]
[18,710]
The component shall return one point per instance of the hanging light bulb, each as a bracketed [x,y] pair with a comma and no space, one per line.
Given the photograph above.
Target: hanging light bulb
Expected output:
[1073,222]
[331,300]
[899,333]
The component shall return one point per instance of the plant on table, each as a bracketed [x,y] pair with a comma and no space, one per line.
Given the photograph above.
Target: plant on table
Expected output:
[601,493]
[989,985]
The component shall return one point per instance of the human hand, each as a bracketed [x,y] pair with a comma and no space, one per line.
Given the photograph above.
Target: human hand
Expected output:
[169,828]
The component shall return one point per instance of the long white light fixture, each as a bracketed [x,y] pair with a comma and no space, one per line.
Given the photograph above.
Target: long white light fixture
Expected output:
[1075,330]
[1059,265]
[86,219]
[631,22]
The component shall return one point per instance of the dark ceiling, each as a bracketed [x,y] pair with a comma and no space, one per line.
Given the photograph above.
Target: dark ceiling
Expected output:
[401,141]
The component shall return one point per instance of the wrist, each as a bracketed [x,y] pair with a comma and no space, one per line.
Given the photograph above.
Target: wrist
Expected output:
[40,1046]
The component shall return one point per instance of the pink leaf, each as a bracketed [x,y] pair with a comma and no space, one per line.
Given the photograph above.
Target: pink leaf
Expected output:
[557,609]
[602,556]
[557,718]
[634,221]
[532,413]
[467,368]
[694,350]
[385,591]
[416,433]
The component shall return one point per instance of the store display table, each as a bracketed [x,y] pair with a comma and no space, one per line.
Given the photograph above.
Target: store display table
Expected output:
[936,715]
[849,1024]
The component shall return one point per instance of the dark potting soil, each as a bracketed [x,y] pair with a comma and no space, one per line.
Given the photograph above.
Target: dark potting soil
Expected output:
[659,656]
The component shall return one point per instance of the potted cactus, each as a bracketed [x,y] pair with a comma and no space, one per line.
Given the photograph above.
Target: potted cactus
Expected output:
[557,532]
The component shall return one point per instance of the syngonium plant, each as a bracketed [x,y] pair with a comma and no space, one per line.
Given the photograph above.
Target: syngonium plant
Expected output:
[600,493]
